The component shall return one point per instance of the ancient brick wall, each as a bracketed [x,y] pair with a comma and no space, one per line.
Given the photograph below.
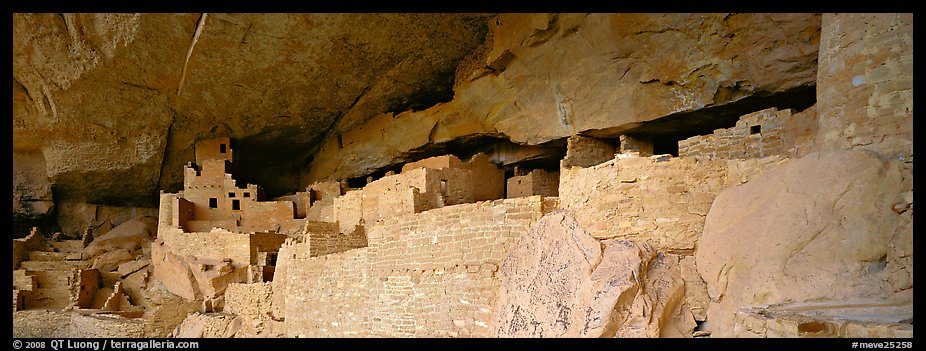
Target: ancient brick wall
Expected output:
[216,244]
[300,201]
[520,186]
[278,216]
[210,173]
[636,144]
[436,162]
[537,182]
[321,201]
[865,83]
[22,247]
[182,213]
[398,201]
[487,180]
[327,296]
[322,212]
[219,148]
[325,239]
[755,135]
[394,195]
[266,243]
[658,199]
[583,151]
[24,286]
[348,210]
[251,301]
[799,133]
[424,274]
[84,284]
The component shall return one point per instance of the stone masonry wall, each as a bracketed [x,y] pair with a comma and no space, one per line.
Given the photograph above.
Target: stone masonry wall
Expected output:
[537,182]
[325,239]
[865,102]
[425,274]
[865,83]
[348,210]
[22,247]
[583,151]
[656,199]
[326,296]
[799,133]
[755,135]
[216,244]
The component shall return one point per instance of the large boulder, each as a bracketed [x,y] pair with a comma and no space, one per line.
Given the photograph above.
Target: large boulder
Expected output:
[111,260]
[128,236]
[818,228]
[559,281]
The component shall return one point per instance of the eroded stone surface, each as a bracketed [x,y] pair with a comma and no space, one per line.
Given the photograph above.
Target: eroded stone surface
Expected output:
[547,76]
[559,281]
[823,220]
[89,89]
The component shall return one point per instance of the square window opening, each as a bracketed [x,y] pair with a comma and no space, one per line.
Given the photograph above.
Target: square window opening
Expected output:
[755,129]
[246,194]
[213,202]
[231,194]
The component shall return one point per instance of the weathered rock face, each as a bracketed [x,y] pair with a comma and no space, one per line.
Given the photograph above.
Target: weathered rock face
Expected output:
[816,228]
[129,236]
[76,217]
[115,101]
[541,77]
[33,201]
[559,281]
[111,99]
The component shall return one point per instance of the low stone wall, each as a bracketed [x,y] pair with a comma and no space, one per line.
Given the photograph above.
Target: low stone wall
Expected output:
[425,274]
[217,244]
[537,182]
[658,199]
[325,239]
[755,135]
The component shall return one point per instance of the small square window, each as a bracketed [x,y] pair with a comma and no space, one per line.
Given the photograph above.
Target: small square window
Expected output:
[222,148]
[231,194]
[247,194]
[213,202]
[755,129]
[236,205]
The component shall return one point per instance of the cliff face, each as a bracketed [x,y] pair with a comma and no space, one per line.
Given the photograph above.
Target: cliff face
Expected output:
[114,102]
[542,77]
[744,175]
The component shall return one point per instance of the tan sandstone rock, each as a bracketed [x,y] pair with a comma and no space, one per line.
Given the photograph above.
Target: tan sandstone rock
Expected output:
[816,228]
[561,282]
[91,89]
[546,76]
[111,260]
[173,272]
[32,195]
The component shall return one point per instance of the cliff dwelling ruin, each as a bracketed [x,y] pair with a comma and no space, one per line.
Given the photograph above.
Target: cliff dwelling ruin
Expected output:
[462,176]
